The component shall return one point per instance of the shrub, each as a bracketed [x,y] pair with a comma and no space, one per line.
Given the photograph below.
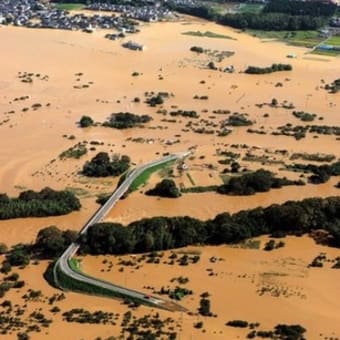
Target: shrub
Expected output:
[86,121]
[237,323]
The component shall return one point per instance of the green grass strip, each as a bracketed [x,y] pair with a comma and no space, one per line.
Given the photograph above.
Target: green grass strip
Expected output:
[69,6]
[145,175]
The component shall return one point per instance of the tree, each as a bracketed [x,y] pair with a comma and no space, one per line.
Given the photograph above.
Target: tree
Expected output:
[274,102]
[234,167]
[3,248]
[86,121]
[204,308]
[101,165]
[18,256]
[50,242]
[165,188]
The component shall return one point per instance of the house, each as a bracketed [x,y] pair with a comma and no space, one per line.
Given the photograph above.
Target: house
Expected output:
[229,69]
[133,46]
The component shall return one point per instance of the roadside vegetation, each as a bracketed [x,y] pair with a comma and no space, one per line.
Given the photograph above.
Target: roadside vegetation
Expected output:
[145,175]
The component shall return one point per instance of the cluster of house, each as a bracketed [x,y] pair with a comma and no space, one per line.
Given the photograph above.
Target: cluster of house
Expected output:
[335,22]
[145,12]
[35,14]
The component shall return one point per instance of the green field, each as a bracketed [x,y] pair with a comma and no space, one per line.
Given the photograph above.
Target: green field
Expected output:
[297,38]
[250,8]
[335,41]
[329,53]
[207,34]
[69,6]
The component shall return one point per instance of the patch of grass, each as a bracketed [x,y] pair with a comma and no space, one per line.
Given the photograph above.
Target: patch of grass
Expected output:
[69,6]
[208,34]
[225,178]
[251,244]
[189,252]
[75,265]
[145,175]
[250,8]
[78,191]
[200,189]
[334,40]
[76,152]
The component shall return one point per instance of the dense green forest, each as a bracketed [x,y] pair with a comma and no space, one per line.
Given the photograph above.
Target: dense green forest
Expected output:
[46,202]
[276,15]
[272,21]
[159,233]
[297,7]
[101,165]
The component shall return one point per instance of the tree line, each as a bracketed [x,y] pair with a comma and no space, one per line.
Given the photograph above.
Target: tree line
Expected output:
[258,181]
[270,69]
[160,233]
[277,15]
[46,202]
[271,21]
[319,173]
[296,7]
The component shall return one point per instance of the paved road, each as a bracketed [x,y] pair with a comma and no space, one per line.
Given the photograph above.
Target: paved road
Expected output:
[63,262]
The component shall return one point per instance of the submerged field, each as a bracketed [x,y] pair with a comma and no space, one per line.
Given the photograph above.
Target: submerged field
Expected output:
[50,79]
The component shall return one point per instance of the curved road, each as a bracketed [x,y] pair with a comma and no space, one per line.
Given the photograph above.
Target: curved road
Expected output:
[63,262]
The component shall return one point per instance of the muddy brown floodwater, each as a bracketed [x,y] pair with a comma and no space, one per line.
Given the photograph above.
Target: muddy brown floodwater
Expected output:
[32,140]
